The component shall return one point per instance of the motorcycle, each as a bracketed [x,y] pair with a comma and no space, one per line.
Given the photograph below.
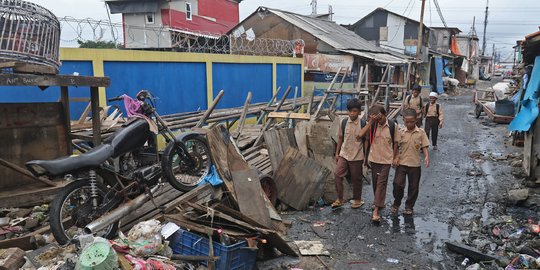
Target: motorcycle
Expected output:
[113,179]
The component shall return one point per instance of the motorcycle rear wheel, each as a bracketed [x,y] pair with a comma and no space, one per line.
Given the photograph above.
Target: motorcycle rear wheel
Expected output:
[76,194]
[175,170]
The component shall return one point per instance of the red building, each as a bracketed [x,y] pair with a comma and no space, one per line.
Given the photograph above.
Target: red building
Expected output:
[161,23]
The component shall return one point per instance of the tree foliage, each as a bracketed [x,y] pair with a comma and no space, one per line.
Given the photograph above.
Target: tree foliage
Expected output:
[98,44]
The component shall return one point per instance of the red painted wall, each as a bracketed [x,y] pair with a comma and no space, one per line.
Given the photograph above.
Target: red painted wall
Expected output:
[177,19]
[225,11]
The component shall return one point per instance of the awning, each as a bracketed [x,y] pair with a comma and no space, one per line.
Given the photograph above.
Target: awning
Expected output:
[133,6]
[197,34]
[378,57]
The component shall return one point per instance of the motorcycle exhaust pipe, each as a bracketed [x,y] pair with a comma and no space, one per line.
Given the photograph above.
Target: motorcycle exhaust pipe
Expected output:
[118,213]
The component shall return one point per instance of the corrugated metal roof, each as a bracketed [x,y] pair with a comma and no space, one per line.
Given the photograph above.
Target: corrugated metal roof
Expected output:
[378,57]
[329,32]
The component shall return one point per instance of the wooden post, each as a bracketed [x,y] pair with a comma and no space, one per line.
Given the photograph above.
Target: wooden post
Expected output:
[333,104]
[263,114]
[243,115]
[325,96]
[291,121]
[310,104]
[379,87]
[64,98]
[96,121]
[270,120]
[210,110]
[387,92]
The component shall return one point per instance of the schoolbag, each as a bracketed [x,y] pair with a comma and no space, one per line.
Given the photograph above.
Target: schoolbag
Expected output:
[391,126]
[344,124]
[427,108]
[409,101]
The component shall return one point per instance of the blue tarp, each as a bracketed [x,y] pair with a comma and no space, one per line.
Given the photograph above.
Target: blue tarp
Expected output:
[529,105]
[447,71]
[212,178]
[439,74]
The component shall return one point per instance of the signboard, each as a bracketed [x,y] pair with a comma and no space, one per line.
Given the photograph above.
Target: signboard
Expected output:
[327,63]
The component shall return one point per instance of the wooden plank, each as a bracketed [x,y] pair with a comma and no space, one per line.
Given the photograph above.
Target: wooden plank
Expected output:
[188,196]
[299,179]
[244,114]
[279,141]
[270,120]
[300,135]
[470,252]
[25,172]
[274,238]
[290,115]
[202,121]
[34,69]
[226,156]
[250,196]
[96,123]
[30,196]
[52,80]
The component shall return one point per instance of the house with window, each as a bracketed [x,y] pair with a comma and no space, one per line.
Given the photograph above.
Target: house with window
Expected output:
[158,24]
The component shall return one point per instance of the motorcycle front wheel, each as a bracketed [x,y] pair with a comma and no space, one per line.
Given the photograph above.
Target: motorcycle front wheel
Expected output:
[71,210]
[177,170]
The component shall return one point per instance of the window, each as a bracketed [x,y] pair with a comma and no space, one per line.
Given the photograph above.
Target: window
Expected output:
[188,11]
[150,18]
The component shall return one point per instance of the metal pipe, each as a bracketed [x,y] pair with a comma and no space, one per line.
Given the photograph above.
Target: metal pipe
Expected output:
[120,212]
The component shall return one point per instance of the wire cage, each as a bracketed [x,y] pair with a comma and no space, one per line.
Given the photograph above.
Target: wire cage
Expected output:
[30,34]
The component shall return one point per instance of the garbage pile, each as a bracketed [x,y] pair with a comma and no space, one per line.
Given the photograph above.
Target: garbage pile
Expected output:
[15,222]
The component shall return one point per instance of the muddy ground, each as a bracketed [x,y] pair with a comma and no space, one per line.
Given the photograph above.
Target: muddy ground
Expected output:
[457,193]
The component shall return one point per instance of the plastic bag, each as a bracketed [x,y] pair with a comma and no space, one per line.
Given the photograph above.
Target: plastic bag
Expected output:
[145,238]
[212,178]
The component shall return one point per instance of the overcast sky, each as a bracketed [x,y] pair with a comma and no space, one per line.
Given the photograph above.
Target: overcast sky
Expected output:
[509,20]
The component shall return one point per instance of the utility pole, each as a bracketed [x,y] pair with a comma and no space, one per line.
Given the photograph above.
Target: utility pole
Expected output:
[313,7]
[485,26]
[420,33]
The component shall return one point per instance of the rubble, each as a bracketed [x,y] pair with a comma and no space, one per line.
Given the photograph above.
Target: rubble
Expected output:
[518,195]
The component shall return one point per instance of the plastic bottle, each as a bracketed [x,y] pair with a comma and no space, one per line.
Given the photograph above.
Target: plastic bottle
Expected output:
[392,260]
[224,239]
[465,262]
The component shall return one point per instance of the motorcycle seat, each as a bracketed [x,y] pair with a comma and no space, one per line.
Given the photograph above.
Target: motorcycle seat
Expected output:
[60,166]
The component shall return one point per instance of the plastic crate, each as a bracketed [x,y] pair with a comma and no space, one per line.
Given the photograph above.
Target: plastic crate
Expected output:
[234,257]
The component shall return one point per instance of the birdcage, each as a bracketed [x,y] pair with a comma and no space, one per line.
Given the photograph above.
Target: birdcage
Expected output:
[30,34]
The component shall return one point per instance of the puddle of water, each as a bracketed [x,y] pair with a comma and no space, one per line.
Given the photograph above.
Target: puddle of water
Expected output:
[430,234]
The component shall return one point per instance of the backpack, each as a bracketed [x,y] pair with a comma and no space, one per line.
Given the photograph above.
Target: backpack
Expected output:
[391,126]
[409,101]
[344,124]
[427,108]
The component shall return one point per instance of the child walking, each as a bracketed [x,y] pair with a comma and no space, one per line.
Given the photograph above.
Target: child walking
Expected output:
[414,101]
[412,140]
[383,153]
[434,118]
[350,154]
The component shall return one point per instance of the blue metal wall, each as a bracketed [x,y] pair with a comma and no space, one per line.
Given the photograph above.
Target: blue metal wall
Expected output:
[180,87]
[238,79]
[289,75]
[23,94]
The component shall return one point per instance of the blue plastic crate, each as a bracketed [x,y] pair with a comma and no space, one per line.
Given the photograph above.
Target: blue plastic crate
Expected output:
[234,257]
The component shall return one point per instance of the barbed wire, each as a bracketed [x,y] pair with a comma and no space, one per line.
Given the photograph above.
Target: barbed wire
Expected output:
[175,39]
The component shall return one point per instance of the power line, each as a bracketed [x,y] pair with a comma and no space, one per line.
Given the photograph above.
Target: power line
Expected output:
[436,2]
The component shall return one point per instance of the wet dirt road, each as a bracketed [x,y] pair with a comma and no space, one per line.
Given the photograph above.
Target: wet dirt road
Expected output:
[455,193]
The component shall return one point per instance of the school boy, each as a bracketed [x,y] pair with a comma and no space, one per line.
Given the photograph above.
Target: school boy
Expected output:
[414,101]
[434,118]
[383,153]
[350,153]
[412,140]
